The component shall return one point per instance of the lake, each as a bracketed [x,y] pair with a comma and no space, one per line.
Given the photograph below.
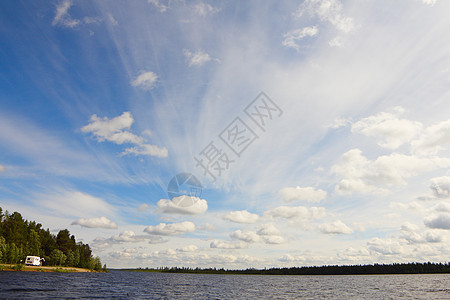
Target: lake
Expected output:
[143,285]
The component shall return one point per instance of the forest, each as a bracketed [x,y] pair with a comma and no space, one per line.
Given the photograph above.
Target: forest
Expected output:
[20,238]
[396,268]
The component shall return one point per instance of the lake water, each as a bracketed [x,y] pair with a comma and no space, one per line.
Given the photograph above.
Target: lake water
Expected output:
[141,285]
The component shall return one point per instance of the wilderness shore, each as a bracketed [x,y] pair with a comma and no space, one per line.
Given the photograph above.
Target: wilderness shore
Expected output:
[13,267]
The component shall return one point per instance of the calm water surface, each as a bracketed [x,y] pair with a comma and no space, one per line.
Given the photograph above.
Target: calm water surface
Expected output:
[140,285]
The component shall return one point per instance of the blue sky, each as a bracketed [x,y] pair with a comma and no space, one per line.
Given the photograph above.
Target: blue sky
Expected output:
[102,103]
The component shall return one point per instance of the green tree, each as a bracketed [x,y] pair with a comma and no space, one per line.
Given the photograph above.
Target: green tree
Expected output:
[34,243]
[64,241]
[57,258]
[70,260]
[3,248]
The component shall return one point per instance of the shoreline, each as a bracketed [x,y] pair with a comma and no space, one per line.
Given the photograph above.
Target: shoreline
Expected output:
[53,269]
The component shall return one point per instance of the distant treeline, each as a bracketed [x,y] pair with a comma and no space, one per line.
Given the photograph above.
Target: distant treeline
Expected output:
[404,268]
[20,238]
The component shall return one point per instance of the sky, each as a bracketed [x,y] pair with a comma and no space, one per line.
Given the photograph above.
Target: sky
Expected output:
[292,133]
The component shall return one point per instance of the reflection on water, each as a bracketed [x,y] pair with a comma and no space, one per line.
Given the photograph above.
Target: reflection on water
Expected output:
[137,285]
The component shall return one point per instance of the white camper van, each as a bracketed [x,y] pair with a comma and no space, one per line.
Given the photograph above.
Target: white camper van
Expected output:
[33,261]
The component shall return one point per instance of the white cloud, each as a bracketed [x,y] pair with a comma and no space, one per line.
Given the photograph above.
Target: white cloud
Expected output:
[292,37]
[410,233]
[146,149]
[143,207]
[112,20]
[159,5]
[112,129]
[336,227]
[146,80]
[268,230]
[198,58]
[290,258]
[204,9]
[441,207]
[338,123]
[62,16]
[438,221]
[117,130]
[433,138]
[364,176]
[246,236]
[389,128]
[127,236]
[271,234]
[241,216]
[228,245]
[185,205]
[101,222]
[189,248]
[429,2]
[329,11]
[74,203]
[2,168]
[171,229]
[308,194]
[296,212]
[385,246]
[441,186]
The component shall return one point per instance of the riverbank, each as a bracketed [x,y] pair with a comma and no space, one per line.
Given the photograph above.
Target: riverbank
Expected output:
[12,267]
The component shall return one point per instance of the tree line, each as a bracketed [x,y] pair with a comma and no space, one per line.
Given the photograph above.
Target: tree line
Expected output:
[20,238]
[396,268]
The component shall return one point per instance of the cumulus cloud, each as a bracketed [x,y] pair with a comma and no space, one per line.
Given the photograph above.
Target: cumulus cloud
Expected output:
[336,227]
[364,176]
[268,229]
[440,187]
[204,9]
[296,212]
[127,236]
[438,221]
[159,5]
[388,128]
[270,234]
[241,216]
[185,205]
[101,222]
[146,80]
[432,139]
[189,248]
[409,232]
[62,16]
[64,19]
[441,207]
[429,2]
[171,229]
[228,244]
[385,246]
[143,207]
[292,38]
[117,130]
[308,194]
[246,236]
[328,11]
[198,58]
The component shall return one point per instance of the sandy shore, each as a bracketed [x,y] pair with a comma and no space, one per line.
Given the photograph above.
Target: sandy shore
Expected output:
[9,267]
